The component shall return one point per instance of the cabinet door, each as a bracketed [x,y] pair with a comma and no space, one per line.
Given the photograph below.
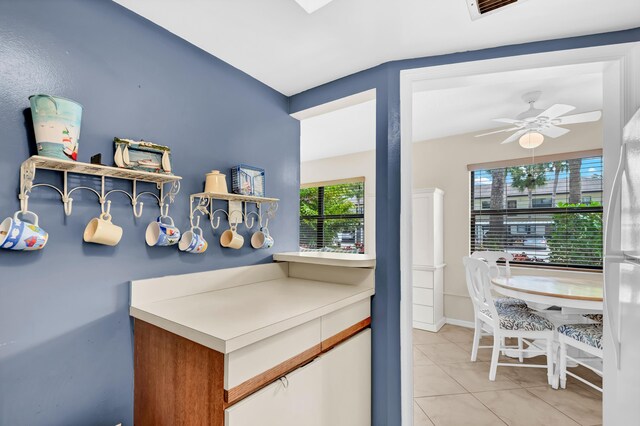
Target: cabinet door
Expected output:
[291,401]
[346,382]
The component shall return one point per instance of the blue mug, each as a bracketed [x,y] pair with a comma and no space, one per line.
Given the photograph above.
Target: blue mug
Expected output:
[261,239]
[193,242]
[16,234]
[162,232]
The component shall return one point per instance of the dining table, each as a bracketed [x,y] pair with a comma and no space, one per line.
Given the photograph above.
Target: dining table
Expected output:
[561,300]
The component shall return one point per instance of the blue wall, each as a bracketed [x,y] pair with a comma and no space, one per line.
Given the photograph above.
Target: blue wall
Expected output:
[386,303]
[65,335]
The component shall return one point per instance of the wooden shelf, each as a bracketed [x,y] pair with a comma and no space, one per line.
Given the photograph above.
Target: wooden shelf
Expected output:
[234,197]
[47,163]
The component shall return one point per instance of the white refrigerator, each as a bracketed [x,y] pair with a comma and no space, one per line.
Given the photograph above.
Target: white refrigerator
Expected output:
[621,379]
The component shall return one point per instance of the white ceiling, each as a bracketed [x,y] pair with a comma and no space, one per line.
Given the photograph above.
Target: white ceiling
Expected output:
[459,110]
[341,132]
[441,113]
[278,43]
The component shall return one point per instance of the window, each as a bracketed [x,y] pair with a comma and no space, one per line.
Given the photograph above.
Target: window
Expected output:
[332,217]
[553,213]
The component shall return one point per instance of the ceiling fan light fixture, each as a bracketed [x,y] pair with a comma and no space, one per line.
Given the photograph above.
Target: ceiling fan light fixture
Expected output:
[531,140]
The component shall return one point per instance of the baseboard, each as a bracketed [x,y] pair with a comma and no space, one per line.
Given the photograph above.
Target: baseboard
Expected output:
[428,326]
[461,323]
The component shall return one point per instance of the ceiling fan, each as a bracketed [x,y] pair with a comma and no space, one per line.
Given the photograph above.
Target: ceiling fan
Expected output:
[543,122]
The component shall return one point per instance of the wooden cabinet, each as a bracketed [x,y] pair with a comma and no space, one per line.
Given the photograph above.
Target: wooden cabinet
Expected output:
[428,259]
[180,382]
[280,344]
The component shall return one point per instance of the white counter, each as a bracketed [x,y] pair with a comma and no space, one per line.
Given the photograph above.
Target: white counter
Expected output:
[228,309]
[347,260]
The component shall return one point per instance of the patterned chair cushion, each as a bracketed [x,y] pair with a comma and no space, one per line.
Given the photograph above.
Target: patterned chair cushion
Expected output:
[594,317]
[513,318]
[505,302]
[590,334]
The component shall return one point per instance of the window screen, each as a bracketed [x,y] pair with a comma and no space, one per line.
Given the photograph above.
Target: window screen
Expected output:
[332,218]
[544,213]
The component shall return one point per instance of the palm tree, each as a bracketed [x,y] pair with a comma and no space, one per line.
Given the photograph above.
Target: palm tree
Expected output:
[528,178]
[497,227]
[575,181]
[558,167]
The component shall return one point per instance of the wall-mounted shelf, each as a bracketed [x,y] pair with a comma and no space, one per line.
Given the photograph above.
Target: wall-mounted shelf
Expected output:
[235,197]
[31,165]
[46,163]
[236,211]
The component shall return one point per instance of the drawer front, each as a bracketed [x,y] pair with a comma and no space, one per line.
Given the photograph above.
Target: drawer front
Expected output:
[253,360]
[422,278]
[340,320]
[423,296]
[294,400]
[423,313]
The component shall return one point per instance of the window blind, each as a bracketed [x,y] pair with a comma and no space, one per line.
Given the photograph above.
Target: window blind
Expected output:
[332,217]
[548,213]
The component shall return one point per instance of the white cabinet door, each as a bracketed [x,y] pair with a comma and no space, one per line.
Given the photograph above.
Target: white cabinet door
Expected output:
[346,382]
[292,401]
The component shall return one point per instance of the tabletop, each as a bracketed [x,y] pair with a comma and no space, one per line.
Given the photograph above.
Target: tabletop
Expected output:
[555,287]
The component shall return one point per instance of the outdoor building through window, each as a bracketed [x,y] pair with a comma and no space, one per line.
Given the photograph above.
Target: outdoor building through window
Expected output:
[332,217]
[545,213]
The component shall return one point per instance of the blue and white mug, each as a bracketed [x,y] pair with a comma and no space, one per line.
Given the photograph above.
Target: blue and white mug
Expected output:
[261,239]
[22,235]
[193,242]
[162,232]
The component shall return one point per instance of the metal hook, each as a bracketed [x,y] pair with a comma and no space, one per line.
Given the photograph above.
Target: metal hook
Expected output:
[197,225]
[24,202]
[164,209]
[108,209]
[253,220]
[68,205]
[137,213]
[212,215]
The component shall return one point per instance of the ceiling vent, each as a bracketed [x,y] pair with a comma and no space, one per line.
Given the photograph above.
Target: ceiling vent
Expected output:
[480,8]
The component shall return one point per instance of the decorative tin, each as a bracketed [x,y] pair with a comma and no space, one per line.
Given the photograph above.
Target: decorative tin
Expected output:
[141,155]
[248,180]
[56,123]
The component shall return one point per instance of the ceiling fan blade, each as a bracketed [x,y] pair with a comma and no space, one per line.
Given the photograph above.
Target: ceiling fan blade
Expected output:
[556,111]
[554,131]
[514,137]
[499,131]
[508,120]
[585,117]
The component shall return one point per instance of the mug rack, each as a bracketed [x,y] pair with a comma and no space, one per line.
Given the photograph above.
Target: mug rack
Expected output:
[237,211]
[31,165]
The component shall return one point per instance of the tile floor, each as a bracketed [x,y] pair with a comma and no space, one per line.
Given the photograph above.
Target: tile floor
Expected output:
[450,390]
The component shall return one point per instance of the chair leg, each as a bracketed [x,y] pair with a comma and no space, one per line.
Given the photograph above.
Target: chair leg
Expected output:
[550,377]
[494,357]
[503,343]
[476,340]
[520,350]
[563,365]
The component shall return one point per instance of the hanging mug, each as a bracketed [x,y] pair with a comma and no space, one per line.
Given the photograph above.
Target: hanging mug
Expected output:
[100,230]
[261,239]
[193,242]
[162,232]
[231,239]
[16,234]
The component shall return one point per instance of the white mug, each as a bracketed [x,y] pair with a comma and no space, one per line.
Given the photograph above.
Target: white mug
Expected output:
[100,230]
[231,239]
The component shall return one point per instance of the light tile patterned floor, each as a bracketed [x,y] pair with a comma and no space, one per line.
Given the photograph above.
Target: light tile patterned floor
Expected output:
[450,390]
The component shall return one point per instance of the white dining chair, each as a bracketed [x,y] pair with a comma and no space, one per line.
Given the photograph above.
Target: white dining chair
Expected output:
[492,258]
[504,322]
[585,337]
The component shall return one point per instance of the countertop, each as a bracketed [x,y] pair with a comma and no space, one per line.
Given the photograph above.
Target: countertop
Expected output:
[230,318]
[329,259]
